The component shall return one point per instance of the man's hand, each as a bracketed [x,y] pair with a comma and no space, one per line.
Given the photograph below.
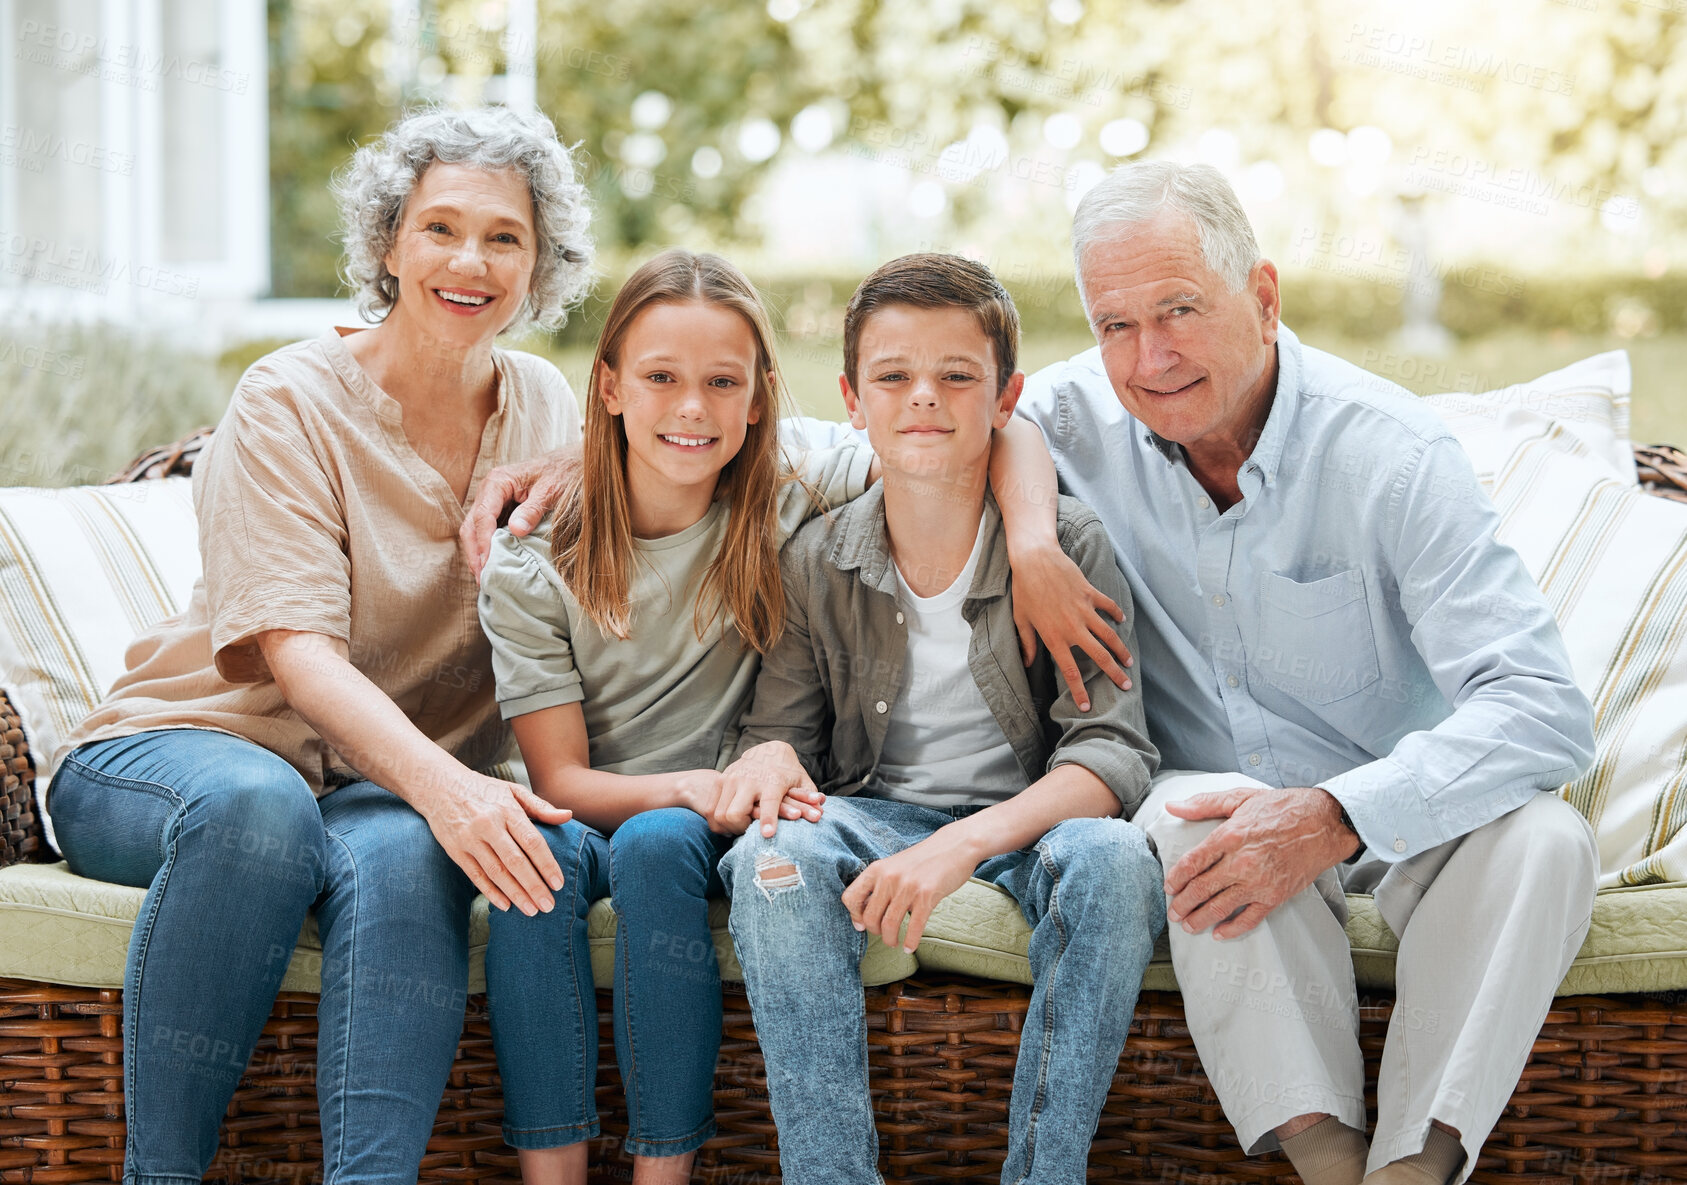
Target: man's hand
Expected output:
[1053,601]
[483,825]
[537,486]
[769,783]
[1271,845]
[908,884]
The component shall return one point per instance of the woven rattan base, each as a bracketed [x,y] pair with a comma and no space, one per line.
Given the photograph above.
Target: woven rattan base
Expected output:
[1603,1100]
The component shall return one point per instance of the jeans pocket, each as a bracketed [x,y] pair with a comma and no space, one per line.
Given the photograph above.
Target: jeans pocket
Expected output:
[1315,639]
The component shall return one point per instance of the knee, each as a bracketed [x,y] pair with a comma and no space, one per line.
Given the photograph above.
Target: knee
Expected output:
[401,871]
[793,867]
[1551,838]
[264,816]
[1108,862]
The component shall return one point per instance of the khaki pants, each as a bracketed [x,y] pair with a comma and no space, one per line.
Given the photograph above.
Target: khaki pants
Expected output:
[1488,925]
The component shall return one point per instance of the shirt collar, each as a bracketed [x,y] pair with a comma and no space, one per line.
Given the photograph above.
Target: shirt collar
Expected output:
[863,544]
[1267,454]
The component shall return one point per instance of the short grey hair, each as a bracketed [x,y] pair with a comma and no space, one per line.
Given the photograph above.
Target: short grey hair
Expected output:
[1135,193]
[374,186]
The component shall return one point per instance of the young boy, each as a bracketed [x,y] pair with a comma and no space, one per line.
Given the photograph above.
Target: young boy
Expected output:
[899,689]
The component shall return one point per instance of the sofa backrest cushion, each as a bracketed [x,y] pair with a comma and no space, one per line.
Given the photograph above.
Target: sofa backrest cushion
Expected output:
[1612,561]
[82,571]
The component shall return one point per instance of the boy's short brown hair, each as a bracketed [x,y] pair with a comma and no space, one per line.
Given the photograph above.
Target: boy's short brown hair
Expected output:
[935,281]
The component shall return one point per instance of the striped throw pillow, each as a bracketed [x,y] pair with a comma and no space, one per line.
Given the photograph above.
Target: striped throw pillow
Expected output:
[1612,561]
[82,571]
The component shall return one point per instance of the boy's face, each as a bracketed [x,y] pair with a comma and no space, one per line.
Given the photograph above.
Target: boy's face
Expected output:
[925,391]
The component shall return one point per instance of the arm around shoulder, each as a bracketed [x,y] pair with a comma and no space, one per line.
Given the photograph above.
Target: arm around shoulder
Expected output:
[1111,738]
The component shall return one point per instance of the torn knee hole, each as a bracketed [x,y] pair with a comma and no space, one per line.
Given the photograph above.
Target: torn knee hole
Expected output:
[777,872]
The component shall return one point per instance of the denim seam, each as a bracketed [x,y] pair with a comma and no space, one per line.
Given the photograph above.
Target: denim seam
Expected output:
[629,1074]
[351,996]
[587,1033]
[588,1130]
[1047,861]
[143,940]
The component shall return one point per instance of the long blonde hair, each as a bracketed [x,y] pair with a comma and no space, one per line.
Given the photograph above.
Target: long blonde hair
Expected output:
[592,542]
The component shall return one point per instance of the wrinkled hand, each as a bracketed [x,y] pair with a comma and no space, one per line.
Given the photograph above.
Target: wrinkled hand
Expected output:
[767,783]
[1053,601]
[908,884]
[537,486]
[1271,845]
[483,824]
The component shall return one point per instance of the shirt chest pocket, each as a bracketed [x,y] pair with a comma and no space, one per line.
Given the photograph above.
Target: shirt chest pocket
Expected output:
[1315,641]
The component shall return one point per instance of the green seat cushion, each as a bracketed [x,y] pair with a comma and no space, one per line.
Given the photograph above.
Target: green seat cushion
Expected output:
[1637,942]
[58,927]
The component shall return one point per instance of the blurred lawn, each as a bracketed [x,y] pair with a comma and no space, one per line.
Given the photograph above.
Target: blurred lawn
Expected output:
[77,403]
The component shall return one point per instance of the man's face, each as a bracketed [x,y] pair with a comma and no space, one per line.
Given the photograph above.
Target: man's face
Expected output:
[1186,356]
[926,391]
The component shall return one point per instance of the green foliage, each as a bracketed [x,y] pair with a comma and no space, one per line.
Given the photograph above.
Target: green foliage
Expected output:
[327,94]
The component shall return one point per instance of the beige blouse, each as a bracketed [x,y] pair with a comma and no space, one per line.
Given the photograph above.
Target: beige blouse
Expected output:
[315,513]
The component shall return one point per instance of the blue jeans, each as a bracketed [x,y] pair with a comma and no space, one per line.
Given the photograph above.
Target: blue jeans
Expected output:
[659,866]
[233,851]
[1090,889]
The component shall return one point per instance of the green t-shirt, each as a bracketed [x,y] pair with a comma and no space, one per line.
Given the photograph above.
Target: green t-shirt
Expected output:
[663,699]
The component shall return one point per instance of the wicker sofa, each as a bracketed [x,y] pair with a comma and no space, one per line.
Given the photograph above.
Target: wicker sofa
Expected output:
[1603,1098]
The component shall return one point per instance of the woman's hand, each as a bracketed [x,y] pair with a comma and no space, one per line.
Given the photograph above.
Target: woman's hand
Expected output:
[1053,601]
[532,487]
[769,783]
[484,825]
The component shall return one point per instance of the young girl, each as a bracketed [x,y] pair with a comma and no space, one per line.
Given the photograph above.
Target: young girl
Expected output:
[626,633]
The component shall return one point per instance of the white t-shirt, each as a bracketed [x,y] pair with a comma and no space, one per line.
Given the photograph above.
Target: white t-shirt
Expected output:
[942,746]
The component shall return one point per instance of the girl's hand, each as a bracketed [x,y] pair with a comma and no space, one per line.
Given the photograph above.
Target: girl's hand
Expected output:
[1053,601]
[483,824]
[699,789]
[769,783]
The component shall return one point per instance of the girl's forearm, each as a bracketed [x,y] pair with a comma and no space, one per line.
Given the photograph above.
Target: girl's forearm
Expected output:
[606,800]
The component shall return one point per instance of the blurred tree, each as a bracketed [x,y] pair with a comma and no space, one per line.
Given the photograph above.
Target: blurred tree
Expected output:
[328,91]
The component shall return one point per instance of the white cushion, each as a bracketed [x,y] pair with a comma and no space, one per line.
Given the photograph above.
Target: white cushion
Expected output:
[1612,561]
[1588,399]
[82,571]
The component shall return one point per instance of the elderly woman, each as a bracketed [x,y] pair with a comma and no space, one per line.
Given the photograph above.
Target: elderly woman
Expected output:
[314,732]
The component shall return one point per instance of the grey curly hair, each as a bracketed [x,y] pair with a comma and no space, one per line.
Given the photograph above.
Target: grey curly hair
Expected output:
[373,187]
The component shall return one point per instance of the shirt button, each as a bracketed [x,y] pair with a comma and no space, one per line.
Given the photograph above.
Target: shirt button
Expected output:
[1203,503]
[1253,758]
[1399,845]
[1218,599]
[1233,681]
[881,707]
[899,619]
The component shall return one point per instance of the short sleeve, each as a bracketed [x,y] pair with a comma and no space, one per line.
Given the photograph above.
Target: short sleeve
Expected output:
[272,532]
[525,618]
[837,475]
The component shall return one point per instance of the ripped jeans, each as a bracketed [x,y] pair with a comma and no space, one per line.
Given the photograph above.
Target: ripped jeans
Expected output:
[1090,889]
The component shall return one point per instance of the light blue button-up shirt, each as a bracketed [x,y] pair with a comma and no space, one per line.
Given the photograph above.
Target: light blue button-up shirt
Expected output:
[1351,623]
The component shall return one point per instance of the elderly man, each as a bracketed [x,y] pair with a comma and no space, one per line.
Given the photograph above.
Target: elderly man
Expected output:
[1321,605]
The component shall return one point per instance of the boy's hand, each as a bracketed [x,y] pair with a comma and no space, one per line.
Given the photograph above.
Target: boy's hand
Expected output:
[908,884]
[769,783]
[1053,601]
